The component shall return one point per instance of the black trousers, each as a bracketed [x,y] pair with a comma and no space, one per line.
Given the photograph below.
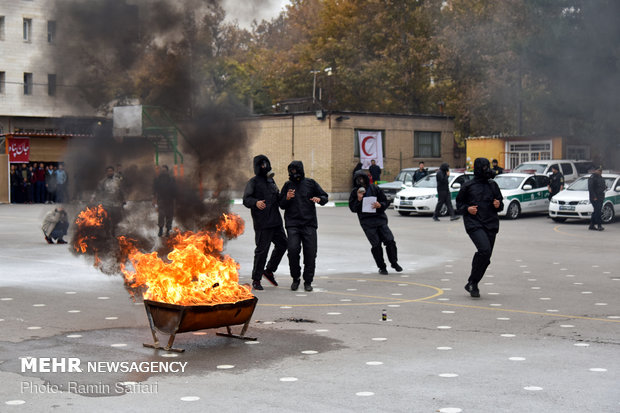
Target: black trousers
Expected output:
[164,215]
[379,234]
[597,213]
[484,240]
[299,237]
[264,238]
[444,198]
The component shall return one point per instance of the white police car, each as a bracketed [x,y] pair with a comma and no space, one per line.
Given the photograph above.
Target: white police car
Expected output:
[574,201]
[421,198]
[523,193]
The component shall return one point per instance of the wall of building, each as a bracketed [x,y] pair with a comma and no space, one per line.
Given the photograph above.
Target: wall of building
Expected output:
[327,147]
[490,148]
[36,56]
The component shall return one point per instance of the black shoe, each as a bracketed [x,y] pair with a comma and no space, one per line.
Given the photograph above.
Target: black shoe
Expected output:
[295,284]
[269,276]
[600,228]
[167,233]
[592,228]
[256,285]
[308,287]
[472,289]
[383,271]
[454,218]
[49,240]
[161,232]
[397,268]
[61,241]
[435,219]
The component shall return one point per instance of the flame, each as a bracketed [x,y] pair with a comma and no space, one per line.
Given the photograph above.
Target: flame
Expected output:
[194,272]
[89,222]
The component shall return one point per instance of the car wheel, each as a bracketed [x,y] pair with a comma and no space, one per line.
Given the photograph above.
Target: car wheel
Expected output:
[404,213]
[559,219]
[513,210]
[608,213]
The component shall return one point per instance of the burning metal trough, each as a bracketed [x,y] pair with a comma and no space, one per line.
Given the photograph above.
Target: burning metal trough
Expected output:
[192,287]
[172,319]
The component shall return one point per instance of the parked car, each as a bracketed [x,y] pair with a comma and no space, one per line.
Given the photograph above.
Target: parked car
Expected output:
[402,180]
[574,201]
[421,198]
[569,168]
[523,193]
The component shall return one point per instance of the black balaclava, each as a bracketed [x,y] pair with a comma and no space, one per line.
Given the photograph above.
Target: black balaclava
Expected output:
[444,167]
[296,171]
[361,179]
[262,166]
[482,169]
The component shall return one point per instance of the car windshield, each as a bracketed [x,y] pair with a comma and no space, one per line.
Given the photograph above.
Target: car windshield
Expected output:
[404,176]
[430,181]
[536,167]
[581,184]
[508,182]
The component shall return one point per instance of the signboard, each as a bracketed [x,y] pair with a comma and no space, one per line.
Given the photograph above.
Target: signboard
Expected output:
[19,150]
[371,148]
[127,121]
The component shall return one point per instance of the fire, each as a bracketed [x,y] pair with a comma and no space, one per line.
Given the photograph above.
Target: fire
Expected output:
[195,271]
[89,222]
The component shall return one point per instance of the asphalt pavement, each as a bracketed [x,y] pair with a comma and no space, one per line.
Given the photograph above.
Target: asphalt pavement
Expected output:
[543,337]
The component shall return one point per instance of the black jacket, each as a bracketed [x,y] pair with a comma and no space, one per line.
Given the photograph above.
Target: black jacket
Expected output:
[480,191]
[419,174]
[375,172]
[443,178]
[369,219]
[164,189]
[596,187]
[556,181]
[300,211]
[263,188]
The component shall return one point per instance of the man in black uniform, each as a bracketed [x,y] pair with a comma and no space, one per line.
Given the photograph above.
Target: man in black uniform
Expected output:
[556,181]
[497,170]
[443,192]
[596,190]
[479,200]
[164,193]
[261,195]
[420,173]
[375,171]
[375,223]
[298,199]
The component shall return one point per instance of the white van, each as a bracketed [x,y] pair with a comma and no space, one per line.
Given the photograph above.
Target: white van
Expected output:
[570,169]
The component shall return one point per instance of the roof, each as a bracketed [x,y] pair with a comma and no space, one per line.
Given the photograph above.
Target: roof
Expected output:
[346,113]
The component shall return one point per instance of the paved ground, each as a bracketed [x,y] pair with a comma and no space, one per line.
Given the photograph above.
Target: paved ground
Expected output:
[544,336]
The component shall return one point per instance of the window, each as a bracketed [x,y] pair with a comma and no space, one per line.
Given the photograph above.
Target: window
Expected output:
[27,83]
[2,82]
[2,25]
[27,30]
[521,152]
[541,181]
[567,169]
[51,85]
[427,144]
[531,182]
[51,31]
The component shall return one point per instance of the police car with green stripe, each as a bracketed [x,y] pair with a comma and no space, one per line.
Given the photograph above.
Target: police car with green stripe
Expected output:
[523,193]
[574,201]
[421,198]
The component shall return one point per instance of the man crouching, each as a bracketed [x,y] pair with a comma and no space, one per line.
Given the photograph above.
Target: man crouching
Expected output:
[370,203]
[55,225]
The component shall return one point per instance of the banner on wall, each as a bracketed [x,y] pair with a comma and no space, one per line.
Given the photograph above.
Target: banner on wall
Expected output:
[19,150]
[371,148]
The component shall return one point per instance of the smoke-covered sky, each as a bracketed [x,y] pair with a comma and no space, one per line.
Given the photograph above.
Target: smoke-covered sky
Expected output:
[245,12]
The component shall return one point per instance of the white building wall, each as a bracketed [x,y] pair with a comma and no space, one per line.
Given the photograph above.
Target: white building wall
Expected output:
[35,56]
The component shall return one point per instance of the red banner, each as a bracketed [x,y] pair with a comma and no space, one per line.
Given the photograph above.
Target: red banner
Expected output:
[19,150]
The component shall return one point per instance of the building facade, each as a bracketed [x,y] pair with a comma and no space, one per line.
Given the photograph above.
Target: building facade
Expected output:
[328,145]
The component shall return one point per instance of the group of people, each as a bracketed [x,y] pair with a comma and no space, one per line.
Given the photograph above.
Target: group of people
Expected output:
[36,183]
[479,200]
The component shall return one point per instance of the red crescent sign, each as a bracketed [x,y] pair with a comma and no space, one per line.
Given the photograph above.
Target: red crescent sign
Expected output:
[366,139]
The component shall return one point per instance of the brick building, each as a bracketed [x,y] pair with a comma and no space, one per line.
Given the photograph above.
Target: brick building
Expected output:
[327,143]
